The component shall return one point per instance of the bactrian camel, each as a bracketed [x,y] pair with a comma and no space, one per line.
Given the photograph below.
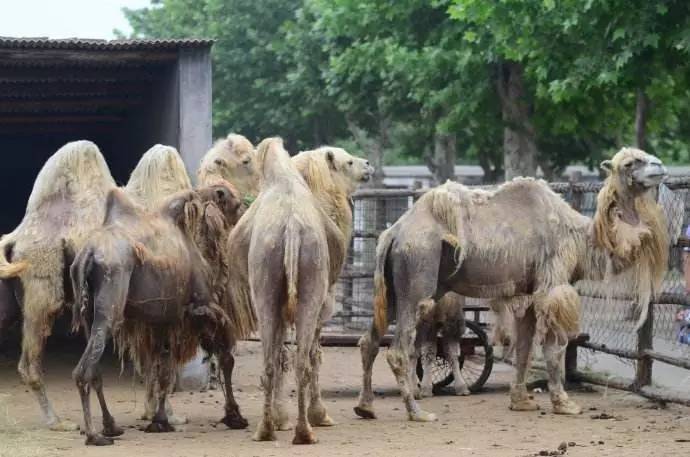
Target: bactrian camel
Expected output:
[522,242]
[289,249]
[142,277]
[66,204]
[71,189]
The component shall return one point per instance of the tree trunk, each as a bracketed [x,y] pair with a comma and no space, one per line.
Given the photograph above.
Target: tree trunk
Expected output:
[442,162]
[641,115]
[519,142]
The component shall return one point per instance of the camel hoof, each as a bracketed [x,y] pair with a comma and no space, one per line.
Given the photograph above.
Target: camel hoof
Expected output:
[159,427]
[567,407]
[64,426]
[463,392]
[264,434]
[235,421]
[323,421]
[98,440]
[423,416]
[112,430]
[177,420]
[304,436]
[365,412]
[524,405]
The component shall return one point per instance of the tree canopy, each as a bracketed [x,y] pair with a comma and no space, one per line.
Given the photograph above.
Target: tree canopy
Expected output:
[511,85]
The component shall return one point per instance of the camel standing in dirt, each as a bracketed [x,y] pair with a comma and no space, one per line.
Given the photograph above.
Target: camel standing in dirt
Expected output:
[454,238]
[232,159]
[143,278]
[66,204]
[159,173]
[289,249]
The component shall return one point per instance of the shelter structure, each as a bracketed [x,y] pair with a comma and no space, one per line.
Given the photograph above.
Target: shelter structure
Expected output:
[125,95]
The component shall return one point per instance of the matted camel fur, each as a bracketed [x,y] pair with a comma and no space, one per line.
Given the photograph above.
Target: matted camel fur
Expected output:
[67,203]
[159,174]
[523,244]
[143,278]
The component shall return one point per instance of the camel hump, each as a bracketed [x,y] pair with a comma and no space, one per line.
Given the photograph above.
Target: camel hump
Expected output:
[274,161]
[119,206]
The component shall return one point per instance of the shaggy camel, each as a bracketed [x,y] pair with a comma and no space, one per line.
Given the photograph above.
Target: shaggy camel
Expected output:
[159,173]
[447,318]
[143,278]
[453,238]
[289,249]
[67,202]
[232,159]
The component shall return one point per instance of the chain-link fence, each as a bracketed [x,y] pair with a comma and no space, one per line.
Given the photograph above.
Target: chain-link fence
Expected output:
[610,323]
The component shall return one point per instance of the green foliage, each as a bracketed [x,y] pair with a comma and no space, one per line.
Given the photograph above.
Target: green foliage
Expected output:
[394,74]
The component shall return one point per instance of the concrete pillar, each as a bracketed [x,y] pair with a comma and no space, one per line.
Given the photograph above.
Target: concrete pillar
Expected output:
[195,107]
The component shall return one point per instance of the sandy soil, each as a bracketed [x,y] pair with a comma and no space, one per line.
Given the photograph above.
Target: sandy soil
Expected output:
[479,425]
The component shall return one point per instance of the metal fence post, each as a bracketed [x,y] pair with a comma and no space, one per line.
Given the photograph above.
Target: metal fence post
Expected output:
[645,337]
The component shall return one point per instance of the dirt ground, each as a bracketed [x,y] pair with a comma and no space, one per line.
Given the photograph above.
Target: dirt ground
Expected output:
[479,425]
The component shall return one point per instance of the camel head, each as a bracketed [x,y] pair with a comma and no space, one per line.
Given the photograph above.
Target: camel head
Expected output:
[629,224]
[344,170]
[233,160]
[633,171]
[224,199]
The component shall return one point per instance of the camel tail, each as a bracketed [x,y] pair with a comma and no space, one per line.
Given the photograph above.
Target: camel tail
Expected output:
[9,269]
[380,287]
[291,262]
[79,272]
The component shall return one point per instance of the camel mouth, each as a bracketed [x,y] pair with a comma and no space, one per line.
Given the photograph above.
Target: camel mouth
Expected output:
[366,177]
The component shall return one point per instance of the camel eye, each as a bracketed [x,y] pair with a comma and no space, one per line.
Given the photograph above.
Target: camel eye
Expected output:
[628,164]
[350,162]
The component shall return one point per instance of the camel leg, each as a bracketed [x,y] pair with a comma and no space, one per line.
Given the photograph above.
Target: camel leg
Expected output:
[272,335]
[426,337]
[453,352]
[305,326]
[35,329]
[369,349]
[10,312]
[110,428]
[318,416]
[86,375]
[233,418]
[151,402]
[554,354]
[520,400]
[400,356]
[164,370]
[280,415]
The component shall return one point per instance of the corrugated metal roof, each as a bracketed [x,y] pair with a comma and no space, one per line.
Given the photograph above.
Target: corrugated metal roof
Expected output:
[101,45]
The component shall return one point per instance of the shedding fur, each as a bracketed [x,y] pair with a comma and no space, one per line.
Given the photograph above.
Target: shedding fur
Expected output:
[159,174]
[66,204]
[453,238]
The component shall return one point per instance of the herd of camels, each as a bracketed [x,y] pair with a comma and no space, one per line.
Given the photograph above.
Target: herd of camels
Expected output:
[163,268]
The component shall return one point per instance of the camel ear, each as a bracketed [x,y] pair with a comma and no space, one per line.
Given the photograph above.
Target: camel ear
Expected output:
[607,166]
[330,158]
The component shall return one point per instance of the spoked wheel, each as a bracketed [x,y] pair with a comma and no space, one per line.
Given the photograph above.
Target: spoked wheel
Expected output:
[476,361]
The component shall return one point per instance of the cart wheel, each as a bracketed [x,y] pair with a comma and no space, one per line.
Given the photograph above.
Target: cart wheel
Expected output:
[476,361]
